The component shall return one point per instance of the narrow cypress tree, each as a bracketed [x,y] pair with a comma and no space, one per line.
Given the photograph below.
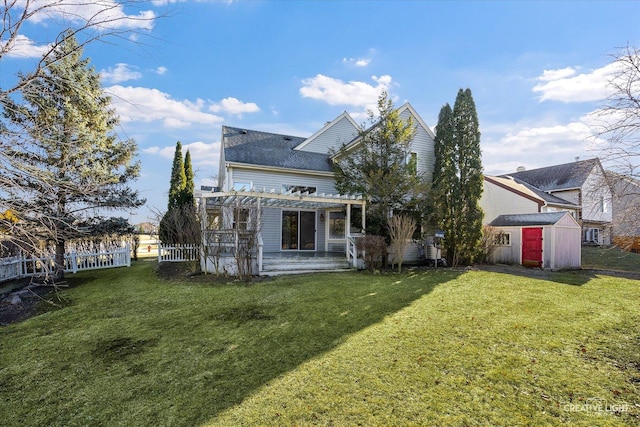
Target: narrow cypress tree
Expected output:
[457,179]
[178,178]
[467,139]
[189,186]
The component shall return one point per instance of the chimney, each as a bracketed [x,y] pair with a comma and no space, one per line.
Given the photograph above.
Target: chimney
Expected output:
[521,169]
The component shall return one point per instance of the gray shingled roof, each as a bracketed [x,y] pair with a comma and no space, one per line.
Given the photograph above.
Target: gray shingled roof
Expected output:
[520,220]
[270,149]
[549,198]
[557,177]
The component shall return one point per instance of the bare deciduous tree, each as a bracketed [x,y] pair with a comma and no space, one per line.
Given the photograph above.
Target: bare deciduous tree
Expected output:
[617,132]
[401,230]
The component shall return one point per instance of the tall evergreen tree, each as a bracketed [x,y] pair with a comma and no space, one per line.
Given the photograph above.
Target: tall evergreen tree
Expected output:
[378,168]
[178,178]
[180,223]
[189,185]
[69,163]
[467,137]
[458,178]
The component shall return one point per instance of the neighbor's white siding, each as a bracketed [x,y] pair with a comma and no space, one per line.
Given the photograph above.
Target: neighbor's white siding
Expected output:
[596,199]
[496,201]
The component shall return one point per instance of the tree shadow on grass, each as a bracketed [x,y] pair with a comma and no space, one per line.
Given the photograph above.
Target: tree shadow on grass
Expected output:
[272,328]
[179,353]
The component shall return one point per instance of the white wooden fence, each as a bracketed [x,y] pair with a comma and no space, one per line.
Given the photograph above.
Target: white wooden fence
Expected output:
[178,253]
[21,266]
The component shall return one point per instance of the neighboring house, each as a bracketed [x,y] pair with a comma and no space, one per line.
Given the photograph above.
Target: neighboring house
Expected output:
[626,211]
[508,195]
[583,184]
[284,186]
[545,240]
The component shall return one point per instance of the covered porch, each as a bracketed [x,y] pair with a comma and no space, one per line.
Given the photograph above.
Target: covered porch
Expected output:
[275,228]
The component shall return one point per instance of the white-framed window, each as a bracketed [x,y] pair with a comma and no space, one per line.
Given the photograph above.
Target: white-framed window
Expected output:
[502,239]
[604,206]
[287,188]
[242,185]
[241,218]
[337,225]
[592,235]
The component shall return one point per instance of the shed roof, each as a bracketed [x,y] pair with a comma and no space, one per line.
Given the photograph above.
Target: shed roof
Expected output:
[557,177]
[270,149]
[522,220]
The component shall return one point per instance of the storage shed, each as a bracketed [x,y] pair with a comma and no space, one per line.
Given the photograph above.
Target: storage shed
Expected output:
[547,240]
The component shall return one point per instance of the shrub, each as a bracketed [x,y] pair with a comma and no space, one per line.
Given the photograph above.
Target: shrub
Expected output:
[375,251]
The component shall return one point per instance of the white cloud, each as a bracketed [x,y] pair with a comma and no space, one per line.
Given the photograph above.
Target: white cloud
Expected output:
[552,144]
[358,62]
[563,73]
[104,14]
[234,106]
[565,85]
[120,73]
[24,47]
[353,93]
[147,105]
[161,70]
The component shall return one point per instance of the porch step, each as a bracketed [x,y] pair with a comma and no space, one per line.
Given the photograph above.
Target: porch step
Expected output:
[279,265]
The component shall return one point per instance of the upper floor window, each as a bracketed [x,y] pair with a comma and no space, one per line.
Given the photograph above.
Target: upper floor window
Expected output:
[604,206]
[242,185]
[298,188]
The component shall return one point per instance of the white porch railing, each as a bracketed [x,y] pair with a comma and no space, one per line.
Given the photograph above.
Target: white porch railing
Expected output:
[178,252]
[352,250]
[21,266]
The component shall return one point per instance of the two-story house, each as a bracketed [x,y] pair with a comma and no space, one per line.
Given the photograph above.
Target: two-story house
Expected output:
[583,184]
[284,187]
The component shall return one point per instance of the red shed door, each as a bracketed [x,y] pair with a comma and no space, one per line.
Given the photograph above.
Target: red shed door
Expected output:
[532,247]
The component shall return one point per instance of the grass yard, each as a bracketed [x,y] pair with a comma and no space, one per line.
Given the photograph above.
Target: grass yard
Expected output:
[426,348]
[610,258]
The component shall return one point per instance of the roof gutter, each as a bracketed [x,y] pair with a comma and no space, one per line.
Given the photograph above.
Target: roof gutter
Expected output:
[278,169]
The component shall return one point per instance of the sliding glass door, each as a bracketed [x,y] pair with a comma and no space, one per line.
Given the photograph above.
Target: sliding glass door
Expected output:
[299,230]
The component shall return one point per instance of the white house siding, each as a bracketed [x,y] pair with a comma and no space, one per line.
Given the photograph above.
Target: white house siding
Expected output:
[497,201]
[422,144]
[572,196]
[268,180]
[341,132]
[596,200]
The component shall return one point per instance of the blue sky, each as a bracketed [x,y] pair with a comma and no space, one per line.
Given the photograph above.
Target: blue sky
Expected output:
[536,71]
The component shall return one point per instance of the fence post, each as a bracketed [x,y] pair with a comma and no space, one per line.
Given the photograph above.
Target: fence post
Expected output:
[128,255]
[74,262]
[159,252]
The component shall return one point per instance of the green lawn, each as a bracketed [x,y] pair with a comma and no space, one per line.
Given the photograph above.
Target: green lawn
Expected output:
[426,348]
[610,258]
